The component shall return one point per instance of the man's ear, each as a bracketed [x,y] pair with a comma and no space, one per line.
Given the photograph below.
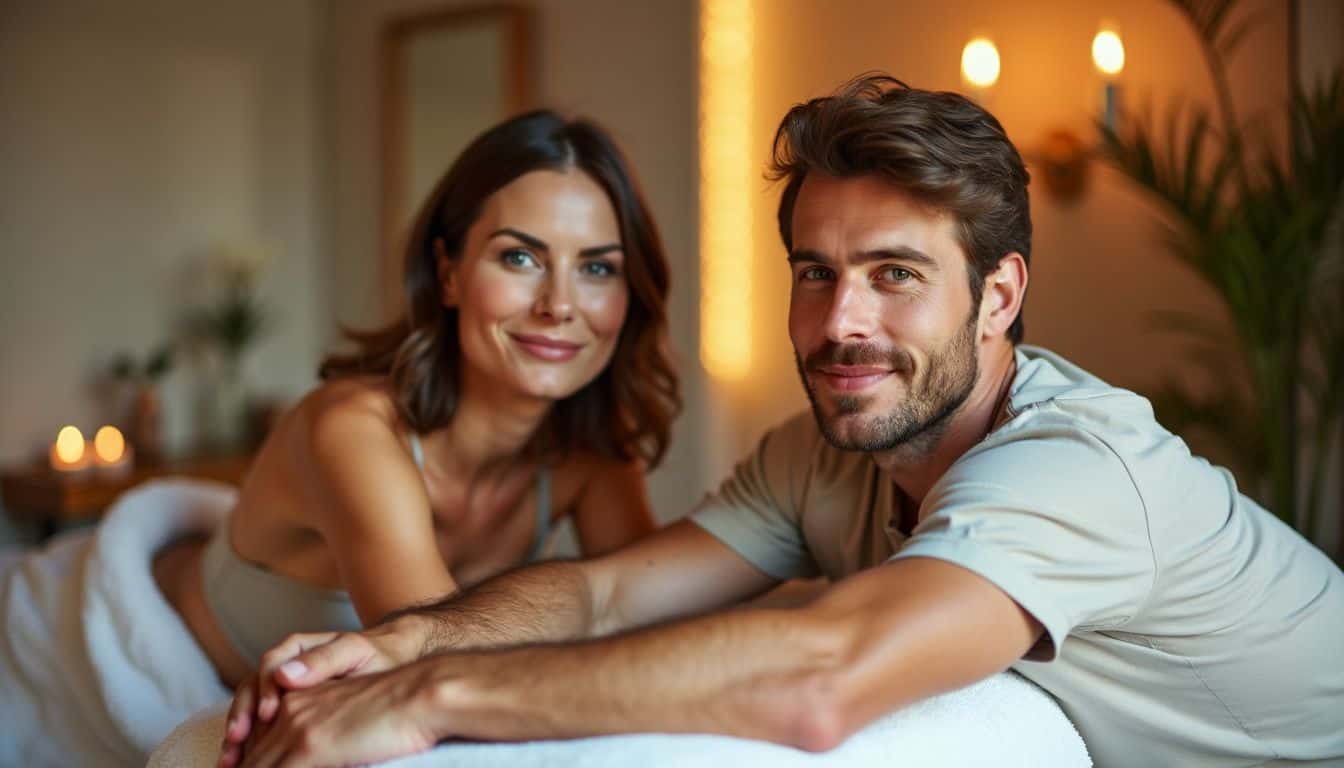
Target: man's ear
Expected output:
[1001,300]
[446,268]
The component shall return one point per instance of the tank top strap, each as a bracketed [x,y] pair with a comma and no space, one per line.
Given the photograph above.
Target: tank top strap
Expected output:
[417,452]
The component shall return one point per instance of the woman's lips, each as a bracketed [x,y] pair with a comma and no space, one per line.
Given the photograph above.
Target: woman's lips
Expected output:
[852,378]
[546,348]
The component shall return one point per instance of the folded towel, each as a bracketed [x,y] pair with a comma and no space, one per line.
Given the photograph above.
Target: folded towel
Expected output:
[999,722]
[95,667]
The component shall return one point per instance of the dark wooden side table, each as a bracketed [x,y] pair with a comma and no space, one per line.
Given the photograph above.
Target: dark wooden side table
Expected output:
[40,495]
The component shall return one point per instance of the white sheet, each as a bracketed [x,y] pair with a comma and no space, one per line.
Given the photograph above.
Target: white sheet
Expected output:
[95,667]
[1000,722]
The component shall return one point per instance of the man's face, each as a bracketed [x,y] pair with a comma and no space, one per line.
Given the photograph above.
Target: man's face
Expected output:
[881,318]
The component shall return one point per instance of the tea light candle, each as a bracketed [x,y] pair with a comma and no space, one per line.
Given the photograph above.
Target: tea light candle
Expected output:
[69,454]
[111,454]
[1108,55]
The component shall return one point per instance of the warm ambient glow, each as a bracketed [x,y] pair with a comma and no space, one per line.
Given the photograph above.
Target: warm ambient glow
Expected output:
[727,185]
[1108,53]
[69,445]
[109,445]
[980,63]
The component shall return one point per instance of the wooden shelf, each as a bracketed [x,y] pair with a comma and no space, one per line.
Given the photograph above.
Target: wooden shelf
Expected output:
[50,499]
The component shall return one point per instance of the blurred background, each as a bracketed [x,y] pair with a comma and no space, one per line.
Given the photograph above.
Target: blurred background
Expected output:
[195,196]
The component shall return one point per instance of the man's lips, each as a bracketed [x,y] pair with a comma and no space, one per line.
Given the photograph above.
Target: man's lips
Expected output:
[545,347]
[851,378]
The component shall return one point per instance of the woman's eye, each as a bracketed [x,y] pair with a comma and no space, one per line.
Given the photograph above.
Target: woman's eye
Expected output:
[517,257]
[598,269]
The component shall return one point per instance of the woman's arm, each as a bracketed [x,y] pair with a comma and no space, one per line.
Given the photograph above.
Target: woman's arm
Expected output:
[369,503]
[613,508]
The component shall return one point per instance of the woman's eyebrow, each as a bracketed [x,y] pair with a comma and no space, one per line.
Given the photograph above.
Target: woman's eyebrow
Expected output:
[540,245]
[526,239]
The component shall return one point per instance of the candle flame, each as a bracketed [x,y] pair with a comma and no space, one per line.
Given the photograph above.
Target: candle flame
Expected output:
[109,445]
[69,445]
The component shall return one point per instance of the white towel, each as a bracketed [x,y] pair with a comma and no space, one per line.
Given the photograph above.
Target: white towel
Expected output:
[95,667]
[1000,722]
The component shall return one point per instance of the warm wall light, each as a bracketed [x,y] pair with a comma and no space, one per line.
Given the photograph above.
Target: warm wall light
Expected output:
[980,63]
[1108,52]
[726,186]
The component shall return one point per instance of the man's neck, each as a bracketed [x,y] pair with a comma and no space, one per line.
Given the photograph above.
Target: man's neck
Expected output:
[916,472]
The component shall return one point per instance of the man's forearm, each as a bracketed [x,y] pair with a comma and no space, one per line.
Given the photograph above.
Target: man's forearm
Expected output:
[546,602]
[759,673]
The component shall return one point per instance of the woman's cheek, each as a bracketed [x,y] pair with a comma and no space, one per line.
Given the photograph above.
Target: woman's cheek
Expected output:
[606,308]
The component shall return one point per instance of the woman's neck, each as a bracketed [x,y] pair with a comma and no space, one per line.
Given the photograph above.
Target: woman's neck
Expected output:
[490,429]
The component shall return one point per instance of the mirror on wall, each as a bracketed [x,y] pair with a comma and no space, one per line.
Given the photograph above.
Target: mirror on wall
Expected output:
[446,76]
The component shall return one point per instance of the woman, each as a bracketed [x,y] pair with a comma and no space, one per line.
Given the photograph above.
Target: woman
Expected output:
[528,381]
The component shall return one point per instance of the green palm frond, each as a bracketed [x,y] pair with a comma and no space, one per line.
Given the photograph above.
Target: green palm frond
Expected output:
[1258,220]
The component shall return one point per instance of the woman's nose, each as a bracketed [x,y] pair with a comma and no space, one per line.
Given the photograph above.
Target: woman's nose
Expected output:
[557,298]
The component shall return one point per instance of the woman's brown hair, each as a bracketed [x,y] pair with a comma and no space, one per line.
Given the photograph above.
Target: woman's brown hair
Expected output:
[627,411]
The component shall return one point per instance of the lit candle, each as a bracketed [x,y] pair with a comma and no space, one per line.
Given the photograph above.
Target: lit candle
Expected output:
[111,454]
[1108,54]
[69,454]
[979,68]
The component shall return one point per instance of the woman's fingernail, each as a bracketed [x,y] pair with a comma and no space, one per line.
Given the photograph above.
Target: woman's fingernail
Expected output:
[294,669]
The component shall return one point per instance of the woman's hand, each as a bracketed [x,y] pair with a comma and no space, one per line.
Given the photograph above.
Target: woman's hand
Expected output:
[305,660]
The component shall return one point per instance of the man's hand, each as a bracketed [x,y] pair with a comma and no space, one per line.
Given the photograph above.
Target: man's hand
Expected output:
[305,660]
[356,721]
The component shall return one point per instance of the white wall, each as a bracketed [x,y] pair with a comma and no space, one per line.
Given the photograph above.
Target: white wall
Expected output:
[630,66]
[134,136]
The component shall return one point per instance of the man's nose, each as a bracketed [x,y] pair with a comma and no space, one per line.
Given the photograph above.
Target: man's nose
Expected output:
[853,312]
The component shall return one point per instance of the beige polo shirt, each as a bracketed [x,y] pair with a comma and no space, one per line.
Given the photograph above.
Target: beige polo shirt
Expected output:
[1185,625]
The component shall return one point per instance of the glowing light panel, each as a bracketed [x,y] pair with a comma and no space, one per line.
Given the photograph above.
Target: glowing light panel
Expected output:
[727,174]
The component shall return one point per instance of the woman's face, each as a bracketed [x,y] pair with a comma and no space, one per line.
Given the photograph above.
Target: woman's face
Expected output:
[540,287]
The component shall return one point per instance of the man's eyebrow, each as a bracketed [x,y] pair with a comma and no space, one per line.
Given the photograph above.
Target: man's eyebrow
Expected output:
[535,242]
[900,253]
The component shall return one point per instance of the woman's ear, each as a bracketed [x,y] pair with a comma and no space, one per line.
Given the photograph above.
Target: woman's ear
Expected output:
[446,268]
[1001,300]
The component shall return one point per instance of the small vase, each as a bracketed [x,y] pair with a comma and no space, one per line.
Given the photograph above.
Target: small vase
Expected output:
[226,428]
[147,423]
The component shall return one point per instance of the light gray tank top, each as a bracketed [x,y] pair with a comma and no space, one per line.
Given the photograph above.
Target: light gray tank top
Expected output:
[257,608]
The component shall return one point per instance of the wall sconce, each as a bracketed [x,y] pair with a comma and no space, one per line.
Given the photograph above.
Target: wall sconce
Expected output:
[1063,158]
[980,67]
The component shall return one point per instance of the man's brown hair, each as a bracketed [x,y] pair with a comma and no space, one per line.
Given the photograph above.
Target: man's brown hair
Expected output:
[938,147]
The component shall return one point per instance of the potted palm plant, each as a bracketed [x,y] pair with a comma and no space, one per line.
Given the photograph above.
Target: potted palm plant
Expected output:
[1259,222]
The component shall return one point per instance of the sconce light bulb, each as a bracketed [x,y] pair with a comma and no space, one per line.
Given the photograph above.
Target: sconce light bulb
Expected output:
[1108,53]
[980,63]
[108,444]
[69,445]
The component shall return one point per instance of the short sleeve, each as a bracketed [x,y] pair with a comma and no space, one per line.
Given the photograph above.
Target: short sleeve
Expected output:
[755,510]
[1051,516]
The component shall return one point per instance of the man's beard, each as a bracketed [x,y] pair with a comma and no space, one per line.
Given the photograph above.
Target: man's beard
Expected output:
[917,421]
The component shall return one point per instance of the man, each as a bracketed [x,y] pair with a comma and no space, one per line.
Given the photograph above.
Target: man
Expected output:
[977,505]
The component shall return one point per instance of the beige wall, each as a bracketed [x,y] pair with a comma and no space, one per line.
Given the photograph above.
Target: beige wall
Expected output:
[135,135]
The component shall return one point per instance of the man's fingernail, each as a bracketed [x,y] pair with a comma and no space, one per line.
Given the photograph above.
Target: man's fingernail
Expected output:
[294,669]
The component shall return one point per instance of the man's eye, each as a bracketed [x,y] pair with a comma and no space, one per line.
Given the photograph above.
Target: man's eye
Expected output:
[896,274]
[814,273]
[517,257]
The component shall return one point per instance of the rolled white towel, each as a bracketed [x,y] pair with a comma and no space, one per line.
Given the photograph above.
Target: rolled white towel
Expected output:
[1000,722]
